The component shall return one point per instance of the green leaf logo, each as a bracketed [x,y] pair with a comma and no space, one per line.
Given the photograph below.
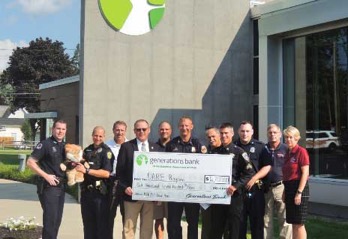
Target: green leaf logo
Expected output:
[142,159]
[132,17]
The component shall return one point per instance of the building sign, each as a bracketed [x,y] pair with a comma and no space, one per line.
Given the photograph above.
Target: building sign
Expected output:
[132,17]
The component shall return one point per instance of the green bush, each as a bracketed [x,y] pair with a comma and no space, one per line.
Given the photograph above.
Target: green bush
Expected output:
[11,172]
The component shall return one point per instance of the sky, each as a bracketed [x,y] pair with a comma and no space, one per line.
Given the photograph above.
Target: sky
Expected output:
[22,21]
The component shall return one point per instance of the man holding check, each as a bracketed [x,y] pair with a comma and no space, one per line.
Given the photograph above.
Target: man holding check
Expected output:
[242,171]
[184,143]
[124,173]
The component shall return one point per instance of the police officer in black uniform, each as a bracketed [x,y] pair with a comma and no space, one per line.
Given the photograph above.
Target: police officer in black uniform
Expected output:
[45,161]
[94,195]
[184,143]
[254,200]
[242,171]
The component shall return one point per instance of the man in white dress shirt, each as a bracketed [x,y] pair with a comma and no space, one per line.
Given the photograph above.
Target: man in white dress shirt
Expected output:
[119,129]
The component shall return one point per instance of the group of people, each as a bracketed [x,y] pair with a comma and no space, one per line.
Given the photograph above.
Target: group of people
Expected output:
[266,179]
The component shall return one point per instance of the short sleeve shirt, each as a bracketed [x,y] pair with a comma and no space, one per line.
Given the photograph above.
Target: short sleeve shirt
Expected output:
[98,158]
[192,146]
[50,154]
[294,160]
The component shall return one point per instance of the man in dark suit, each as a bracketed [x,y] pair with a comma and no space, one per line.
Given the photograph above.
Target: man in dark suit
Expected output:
[124,173]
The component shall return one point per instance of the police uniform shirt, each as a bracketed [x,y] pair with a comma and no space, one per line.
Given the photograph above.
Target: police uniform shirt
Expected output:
[161,147]
[256,150]
[278,158]
[50,154]
[192,146]
[242,169]
[98,158]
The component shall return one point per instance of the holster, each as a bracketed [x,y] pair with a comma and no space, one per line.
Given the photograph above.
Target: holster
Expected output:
[41,185]
[98,186]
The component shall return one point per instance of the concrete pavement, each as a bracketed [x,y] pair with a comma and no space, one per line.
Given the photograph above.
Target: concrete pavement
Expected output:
[20,199]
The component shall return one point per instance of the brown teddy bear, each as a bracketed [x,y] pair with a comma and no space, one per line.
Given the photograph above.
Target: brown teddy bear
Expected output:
[73,154]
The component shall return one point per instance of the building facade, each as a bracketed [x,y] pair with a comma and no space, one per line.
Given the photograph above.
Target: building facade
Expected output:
[282,62]
[303,78]
[196,62]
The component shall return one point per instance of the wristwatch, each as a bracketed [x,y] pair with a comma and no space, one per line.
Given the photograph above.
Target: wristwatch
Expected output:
[299,192]
[87,170]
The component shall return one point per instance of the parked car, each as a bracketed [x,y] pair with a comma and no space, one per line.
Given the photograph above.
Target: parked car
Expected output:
[344,139]
[322,139]
[21,145]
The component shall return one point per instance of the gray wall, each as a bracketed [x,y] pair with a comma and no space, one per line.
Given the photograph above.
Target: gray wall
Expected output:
[196,62]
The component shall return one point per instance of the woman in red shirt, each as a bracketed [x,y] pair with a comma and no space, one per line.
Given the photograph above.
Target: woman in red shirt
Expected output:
[295,177]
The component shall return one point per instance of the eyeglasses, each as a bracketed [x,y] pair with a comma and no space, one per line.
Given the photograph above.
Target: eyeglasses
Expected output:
[141,129]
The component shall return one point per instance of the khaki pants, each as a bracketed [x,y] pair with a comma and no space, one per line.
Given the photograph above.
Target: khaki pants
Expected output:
[132,210]
[273,201]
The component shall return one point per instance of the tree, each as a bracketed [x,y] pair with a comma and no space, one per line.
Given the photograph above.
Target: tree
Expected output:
[26,130]
[76,58]
[43,61]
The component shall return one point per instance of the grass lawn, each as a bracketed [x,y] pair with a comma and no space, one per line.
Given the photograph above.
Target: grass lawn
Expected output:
[9,164]
[317,227]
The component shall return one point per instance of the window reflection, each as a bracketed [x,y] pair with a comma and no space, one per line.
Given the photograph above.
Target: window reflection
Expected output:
[323,111]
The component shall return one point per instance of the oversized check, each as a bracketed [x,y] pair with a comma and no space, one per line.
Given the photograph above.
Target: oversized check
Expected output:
[182,177]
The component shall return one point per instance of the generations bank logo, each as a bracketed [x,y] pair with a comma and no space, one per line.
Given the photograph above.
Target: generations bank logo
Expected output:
[132,17]
[142,159]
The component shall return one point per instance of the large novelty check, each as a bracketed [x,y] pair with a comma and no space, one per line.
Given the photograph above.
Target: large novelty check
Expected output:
[182,177]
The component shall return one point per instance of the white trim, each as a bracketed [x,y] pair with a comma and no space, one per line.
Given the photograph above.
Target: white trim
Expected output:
[41,115]
[276,6]
[59,82]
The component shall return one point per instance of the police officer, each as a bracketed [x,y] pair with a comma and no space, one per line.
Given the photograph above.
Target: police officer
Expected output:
[161,208]
[214,144]
[45,161]
[254,200]
[184,143]
[242,171]
[94,197]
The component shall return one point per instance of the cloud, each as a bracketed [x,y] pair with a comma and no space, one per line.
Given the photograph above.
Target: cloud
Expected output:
[6,49]
[38,7]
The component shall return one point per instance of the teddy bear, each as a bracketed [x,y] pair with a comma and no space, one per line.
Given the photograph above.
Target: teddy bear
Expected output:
[73,154]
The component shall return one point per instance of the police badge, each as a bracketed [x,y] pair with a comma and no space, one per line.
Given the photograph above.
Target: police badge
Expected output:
[252,150]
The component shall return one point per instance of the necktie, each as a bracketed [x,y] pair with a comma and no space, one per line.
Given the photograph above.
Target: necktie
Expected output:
[143,147]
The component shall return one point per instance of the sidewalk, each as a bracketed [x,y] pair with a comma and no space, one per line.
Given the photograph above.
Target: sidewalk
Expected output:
[20,199]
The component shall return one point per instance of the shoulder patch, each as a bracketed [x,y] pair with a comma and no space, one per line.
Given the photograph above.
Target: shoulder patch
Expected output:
[109,155]
[246,157]
[39,146]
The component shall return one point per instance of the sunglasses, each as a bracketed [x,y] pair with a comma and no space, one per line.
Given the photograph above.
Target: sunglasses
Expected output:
[141,129]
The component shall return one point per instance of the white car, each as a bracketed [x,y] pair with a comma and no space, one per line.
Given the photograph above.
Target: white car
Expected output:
[322,139]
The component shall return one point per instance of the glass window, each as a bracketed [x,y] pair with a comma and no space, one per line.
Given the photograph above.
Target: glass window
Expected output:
[318,63]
